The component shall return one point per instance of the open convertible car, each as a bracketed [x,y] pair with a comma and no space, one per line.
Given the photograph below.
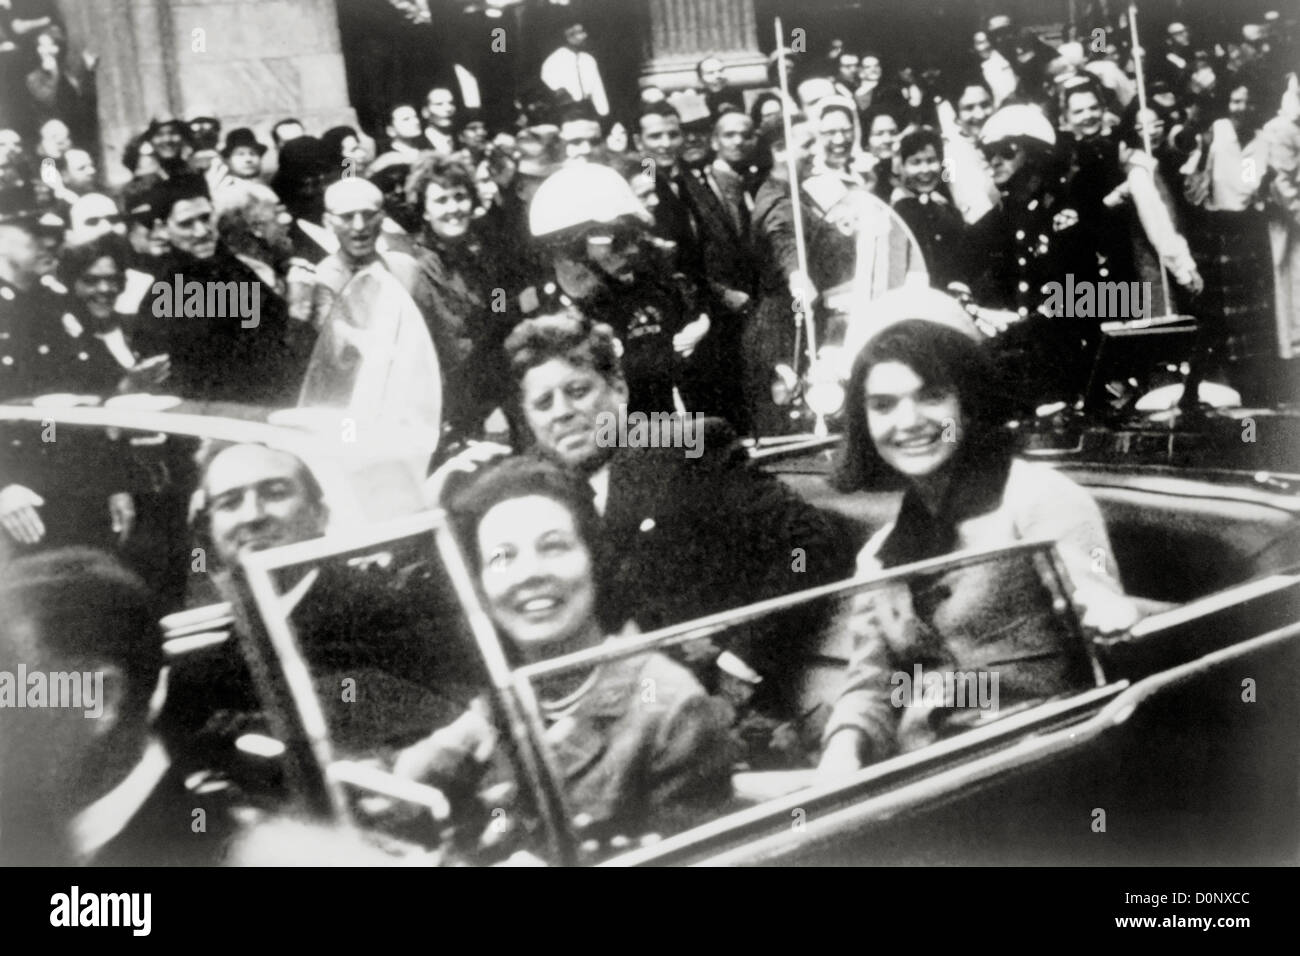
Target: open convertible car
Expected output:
[1178,746]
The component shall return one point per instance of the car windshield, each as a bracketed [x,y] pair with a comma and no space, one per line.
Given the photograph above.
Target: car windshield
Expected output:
[642,736]
[363,646]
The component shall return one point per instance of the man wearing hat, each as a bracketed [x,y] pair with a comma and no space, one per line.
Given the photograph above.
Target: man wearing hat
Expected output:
[243,153]
[594,231]
[306,168]
[1030,239]
[205,130]
[39,349]
[171,143]
[42,350]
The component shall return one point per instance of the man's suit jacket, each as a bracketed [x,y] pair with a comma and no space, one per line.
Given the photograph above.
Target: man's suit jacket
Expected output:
[675,222]
[694,536]
[726,252]
[217,357]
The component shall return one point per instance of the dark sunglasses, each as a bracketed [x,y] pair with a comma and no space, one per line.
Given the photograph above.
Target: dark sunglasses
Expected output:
[112,220]
[612,237]
[1003,151]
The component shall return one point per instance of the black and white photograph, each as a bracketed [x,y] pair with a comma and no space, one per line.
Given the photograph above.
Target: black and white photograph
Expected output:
[656,433]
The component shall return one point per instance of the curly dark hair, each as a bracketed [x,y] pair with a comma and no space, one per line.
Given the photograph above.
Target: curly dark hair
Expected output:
[918,139]
[940,356]
[76,259]
[562,335]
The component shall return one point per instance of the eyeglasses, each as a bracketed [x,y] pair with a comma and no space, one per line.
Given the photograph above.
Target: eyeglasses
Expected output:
[367,216]
[1005,151]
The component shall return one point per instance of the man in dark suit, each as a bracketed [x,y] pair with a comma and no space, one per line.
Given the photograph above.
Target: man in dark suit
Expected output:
[82,778]
[659,138]
[694,529]
[228,334]
[688,216]
[350,625]
[719,194]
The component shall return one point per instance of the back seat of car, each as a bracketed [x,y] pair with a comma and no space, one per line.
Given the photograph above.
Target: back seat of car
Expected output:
[1175,540]
[1178,539]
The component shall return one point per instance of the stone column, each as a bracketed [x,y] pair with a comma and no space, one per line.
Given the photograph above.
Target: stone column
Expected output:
[682,32]
[248,62]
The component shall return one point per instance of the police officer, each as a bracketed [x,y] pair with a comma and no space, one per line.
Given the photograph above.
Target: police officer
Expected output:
[1027,241]
[597,235]
[42,348]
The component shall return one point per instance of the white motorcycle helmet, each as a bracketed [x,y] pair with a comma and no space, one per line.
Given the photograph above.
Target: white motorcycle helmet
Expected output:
[578,194]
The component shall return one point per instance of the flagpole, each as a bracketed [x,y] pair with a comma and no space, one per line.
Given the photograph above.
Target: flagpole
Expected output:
[1146,130]
[804,309]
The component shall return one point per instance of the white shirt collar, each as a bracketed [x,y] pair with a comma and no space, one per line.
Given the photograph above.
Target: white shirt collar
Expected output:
[108,816]
[115,341]
[600,485]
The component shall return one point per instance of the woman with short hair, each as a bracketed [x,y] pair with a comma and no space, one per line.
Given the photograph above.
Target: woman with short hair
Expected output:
[639,744]
[450,253]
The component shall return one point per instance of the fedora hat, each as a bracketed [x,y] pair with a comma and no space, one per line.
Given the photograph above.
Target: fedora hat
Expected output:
[242,136]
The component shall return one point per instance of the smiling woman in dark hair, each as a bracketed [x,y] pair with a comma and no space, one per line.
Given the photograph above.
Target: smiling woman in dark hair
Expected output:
[923,403]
